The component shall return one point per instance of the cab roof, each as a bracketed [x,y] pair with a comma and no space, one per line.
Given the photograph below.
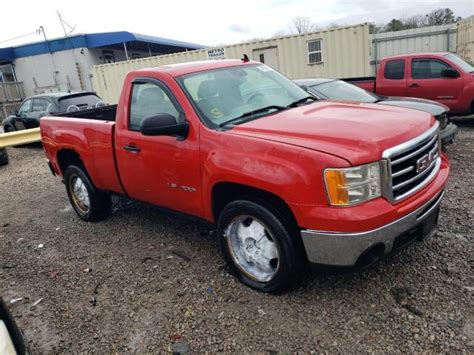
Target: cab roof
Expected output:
[425,54]
[194,67]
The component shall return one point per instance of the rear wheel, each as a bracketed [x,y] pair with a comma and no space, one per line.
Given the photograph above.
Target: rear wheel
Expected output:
[3,156]
[8,129]
[89,203]
[259,246]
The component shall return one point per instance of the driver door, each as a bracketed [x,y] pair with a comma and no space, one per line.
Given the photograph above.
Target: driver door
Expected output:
[162,170]
[426,81]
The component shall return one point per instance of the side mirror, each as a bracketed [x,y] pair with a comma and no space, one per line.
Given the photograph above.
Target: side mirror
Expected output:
[164,124]
[449,73]
[304,87]
[14,113]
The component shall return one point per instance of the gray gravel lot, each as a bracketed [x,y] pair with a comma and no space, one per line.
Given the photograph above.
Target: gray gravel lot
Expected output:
[159,283]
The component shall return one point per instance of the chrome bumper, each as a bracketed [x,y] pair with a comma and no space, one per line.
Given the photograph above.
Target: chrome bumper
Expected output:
[448,133]
[343,249]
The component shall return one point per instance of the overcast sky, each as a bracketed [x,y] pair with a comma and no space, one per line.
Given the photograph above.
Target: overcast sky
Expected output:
[205,22]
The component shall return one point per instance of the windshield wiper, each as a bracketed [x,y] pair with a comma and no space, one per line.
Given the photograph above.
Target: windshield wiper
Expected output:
[253,112]
[300,101]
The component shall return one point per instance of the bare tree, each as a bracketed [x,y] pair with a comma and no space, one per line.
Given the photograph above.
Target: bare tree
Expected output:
[302,24]
[416,21]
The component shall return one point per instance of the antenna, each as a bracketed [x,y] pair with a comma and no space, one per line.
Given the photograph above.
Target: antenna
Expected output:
[67,28]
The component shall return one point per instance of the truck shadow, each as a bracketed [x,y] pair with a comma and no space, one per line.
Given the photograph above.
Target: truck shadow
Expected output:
[467,121]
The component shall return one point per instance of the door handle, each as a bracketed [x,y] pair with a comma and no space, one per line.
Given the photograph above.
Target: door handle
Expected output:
[132,148]
[414,85]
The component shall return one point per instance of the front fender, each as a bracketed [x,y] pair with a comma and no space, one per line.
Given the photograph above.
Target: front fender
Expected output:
[292,173]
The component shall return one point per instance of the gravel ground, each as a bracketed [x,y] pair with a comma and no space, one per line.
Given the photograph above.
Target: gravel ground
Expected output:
[146,280]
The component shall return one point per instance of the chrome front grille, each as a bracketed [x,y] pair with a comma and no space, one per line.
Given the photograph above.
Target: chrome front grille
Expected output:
[412,165]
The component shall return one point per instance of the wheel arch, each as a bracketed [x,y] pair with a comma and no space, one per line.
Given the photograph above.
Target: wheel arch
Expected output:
[223,193]
[66,157]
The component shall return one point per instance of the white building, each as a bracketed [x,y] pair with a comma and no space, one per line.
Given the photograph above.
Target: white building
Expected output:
[64,64]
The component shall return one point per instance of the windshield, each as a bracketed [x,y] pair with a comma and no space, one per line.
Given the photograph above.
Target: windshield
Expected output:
[461,63]
[79,102]
[340,90]
[224,94]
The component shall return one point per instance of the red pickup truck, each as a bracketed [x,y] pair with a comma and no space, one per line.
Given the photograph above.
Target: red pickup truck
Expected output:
[442,77]
[288,180]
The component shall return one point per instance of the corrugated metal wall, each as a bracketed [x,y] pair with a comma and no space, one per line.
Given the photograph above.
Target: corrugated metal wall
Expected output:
[345,53]
[427,39]
[465,41]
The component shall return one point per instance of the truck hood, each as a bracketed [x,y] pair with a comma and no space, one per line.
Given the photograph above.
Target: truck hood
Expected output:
[357,132]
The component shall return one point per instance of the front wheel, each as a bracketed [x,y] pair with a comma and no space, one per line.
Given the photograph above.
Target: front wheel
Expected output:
[89,203]
[8,129]
[259,246]
[3,156]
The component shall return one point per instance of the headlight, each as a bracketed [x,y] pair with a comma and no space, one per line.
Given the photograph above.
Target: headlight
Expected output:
[349,186]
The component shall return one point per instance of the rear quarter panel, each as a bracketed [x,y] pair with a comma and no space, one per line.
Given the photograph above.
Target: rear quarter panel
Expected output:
[91,139]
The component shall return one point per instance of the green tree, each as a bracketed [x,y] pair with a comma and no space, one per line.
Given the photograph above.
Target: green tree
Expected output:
[394,25]
[441,17]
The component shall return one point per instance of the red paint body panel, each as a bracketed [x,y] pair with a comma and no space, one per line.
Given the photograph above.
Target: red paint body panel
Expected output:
[284,154]
[456,93]
[91,139]
[353,131]
[370,215]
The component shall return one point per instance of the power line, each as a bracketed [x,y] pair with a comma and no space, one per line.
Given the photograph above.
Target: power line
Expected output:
[21,36]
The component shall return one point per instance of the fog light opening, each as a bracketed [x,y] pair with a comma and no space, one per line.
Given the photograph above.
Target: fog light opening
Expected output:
[371,256]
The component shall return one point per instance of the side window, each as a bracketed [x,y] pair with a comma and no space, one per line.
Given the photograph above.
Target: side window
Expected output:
[427,68]
[26,107]
[315,53]
[394,69]
[40,105]
[147,100]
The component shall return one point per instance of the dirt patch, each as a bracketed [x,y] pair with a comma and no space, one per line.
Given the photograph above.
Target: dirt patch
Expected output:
[159,283]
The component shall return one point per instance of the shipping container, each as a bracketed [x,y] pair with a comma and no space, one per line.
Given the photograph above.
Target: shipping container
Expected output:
[465,40]
[340,52]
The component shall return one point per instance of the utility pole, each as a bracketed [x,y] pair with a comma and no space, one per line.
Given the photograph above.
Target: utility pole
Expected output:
[55,69]
[68,30]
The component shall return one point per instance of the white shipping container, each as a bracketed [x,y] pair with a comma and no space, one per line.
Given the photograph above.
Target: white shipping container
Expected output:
[341,52]
[465,40]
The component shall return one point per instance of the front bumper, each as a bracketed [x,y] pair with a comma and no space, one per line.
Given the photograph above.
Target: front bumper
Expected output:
[448,133]
[344,249]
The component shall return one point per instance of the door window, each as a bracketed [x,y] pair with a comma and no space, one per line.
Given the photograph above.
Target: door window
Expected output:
[26,107]
[148,100]
[427,68]
[394,69]
[40,105]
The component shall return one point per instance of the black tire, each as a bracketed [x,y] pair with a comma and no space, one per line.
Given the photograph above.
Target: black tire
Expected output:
[99,202]
[8,129]
[291,258]
[3,156]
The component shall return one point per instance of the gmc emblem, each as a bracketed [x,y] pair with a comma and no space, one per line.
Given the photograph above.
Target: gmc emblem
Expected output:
[425,161]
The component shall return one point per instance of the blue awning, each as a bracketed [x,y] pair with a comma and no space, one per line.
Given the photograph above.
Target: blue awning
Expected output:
[93,40]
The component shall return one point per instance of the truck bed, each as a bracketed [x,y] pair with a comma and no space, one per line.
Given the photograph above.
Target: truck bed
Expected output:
[106,113]
[90,133]
[366,82]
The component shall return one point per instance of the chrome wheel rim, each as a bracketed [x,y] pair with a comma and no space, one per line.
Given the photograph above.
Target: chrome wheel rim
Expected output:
[80,195]
[253,248]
